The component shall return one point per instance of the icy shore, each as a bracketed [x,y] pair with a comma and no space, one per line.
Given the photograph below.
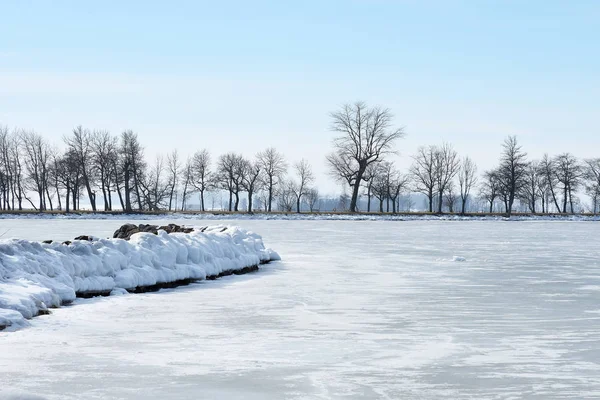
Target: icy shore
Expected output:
[36,276]
[301,217]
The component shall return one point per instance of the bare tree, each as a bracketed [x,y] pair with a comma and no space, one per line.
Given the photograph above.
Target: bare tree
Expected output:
[305,178]
[80,142]
[533,189]
[450,196]
[104,152]
[467,178]
[188,178]
[592,176]
[173,168]
[368,177]
[251,179]
[568,174]
[490,188]
[512,171]
[154,187]
[286,197]
[397,183]
[274,167]
[11,167]
[365,137]
[424,174]
[202,177]
[547,168]
[231,175]
[446,166]
[37,154]
[133,168]
[312,199]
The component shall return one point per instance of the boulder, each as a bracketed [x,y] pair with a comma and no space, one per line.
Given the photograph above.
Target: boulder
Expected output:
[84,237]
[125,231]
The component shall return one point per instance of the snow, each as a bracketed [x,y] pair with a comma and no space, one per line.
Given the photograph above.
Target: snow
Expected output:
[35,276]
[298,217]
[356,310]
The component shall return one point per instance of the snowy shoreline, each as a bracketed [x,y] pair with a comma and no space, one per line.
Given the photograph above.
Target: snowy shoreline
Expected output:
[297,217]
[37,276]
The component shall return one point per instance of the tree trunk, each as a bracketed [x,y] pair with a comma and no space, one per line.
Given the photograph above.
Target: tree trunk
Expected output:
[67,199]
[91,195]
[270,192]
[356,189]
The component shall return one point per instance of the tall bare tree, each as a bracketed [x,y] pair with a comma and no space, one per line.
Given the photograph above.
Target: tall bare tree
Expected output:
[37,155]
[305,178]
[424,173]
[173,169]
[251,179]
[231,175]
[490,188]
[365,136]
[274,167]
[512,171]
[532,189]
[202,177]
[188,178]
[80,142]
[154,187]
[133,168]
[312,199]
[568,174]
[547,168]
[467,178]
[592,175]
[450,196]
[446,166]
[104,153]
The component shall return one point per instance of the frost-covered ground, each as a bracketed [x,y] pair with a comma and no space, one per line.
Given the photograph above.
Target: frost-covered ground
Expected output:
[413,310]
[304,217]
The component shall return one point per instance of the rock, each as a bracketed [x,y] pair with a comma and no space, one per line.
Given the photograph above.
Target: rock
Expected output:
[49,241]
[84,237]
[125,231]
[66,242]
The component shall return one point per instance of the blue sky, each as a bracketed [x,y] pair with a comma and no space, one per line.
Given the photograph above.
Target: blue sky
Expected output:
[242,76]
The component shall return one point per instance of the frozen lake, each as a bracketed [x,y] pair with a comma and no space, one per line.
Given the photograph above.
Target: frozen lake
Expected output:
[356,310]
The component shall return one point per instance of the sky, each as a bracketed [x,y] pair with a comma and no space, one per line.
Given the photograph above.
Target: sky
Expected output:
[242,76]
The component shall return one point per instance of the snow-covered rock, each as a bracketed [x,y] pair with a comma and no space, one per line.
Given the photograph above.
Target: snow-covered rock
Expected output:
[35,276]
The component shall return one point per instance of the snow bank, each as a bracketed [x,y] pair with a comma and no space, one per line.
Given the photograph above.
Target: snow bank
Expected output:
[35,276]
[302,217]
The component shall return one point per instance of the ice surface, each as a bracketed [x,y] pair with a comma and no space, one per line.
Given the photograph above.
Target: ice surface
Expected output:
[35,276]
[357,310]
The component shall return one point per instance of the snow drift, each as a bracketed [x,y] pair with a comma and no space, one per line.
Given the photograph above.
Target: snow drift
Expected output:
[35,276]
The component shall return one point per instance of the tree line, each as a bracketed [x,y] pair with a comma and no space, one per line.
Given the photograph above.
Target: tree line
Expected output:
[111,172]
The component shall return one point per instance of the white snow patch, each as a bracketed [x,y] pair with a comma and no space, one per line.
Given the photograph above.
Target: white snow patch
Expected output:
[14,395]
[35,276]
[590,287]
